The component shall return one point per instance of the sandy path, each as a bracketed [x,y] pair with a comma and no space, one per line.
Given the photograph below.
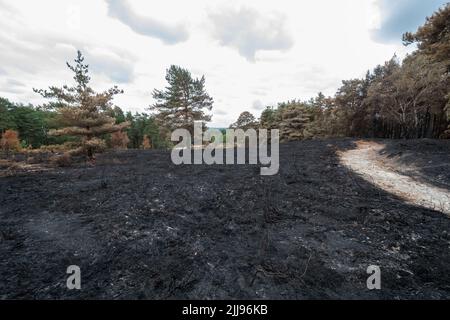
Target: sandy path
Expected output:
[366,161]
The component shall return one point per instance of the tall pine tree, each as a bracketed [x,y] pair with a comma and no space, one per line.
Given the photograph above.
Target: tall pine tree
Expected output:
[183,101]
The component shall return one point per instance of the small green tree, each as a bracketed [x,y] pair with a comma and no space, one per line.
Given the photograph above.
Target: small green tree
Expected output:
[269,118]
[245,121]
[294,117]
[6,117]
[144,125]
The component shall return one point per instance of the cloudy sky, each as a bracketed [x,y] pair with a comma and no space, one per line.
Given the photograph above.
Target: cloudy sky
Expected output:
[253,53]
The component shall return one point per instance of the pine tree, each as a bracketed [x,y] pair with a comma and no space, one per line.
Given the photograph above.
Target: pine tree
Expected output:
[433,39]
[294,118]
[82,111]
[245,121]
[6,117]
[269,118]
[183,101]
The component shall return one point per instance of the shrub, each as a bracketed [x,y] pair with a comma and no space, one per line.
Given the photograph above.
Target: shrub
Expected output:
[4,164]
[146,144]
[119,140]
[64,160]
[10,141]
[67,146]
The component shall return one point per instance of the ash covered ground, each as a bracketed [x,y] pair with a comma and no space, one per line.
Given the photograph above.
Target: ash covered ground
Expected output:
[140,227]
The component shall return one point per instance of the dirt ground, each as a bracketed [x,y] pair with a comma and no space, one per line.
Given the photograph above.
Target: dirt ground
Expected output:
[140,227]
[386,173]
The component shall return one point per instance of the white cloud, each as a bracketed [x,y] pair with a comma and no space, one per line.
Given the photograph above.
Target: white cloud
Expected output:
[24,54]
[147,26]
[249,31]
[116,67]
[220,112]
[12,86]
[258,105]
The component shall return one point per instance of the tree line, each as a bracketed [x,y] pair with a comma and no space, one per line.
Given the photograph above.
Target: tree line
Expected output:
[79,120]
[399,99]
[34,123]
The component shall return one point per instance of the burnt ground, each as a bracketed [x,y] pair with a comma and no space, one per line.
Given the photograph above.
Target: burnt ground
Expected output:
[427,161]
[142,228]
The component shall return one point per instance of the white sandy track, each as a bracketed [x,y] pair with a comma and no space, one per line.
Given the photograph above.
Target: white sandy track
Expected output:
[365,160]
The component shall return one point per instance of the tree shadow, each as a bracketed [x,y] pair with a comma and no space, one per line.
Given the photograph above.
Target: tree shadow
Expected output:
[425,160]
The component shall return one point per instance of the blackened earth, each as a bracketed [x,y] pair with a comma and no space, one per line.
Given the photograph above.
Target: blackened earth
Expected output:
[140,227]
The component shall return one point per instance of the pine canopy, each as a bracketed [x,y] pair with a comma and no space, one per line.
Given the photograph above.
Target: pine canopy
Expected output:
[82,111]
[183,101]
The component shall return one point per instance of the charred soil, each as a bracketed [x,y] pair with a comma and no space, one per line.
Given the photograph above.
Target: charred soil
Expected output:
[140,227]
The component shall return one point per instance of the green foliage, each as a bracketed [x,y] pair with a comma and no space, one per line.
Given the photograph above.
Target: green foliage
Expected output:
[269,118]
[245,121]
[32,123]
[6,118]
[433,38]
[118,114]
[142,124]
[182,102]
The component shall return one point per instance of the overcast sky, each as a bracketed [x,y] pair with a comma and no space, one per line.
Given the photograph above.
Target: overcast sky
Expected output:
[252,53]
